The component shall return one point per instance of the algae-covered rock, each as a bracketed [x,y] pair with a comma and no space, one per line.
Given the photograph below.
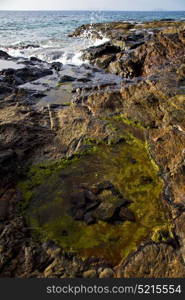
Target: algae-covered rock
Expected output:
[105,211]
[97,203]
[126,214]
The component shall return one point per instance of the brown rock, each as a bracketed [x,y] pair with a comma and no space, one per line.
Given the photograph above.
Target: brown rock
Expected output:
[105,211]
[90,274]
[153,261]
[126,214]
[106,273]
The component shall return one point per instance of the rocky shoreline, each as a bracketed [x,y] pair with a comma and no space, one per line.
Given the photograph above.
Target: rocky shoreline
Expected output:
[93,159]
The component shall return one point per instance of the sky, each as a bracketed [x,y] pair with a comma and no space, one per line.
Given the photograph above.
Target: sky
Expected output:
[92,5]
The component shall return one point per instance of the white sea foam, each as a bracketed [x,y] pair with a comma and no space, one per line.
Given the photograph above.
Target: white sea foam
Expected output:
[58,51]
[13,52]
[74,59]
[99,42]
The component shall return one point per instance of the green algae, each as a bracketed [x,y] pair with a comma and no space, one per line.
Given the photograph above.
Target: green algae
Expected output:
[37,176]
[126,120]
[162,233]
[129,167]
[103,240]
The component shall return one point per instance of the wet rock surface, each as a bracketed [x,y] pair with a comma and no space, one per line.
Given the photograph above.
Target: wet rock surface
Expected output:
[94,204]
[101,139]
[4,55]
[135,49]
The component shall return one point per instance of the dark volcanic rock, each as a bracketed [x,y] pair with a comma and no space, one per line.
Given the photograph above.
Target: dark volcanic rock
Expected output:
[78,199]
[17,77]
[136,53]
[4,89]
[28,74]
[105,211]
[102,202]
[57,66]
[96,30]
[35,59]
[4,55]
[30,46]
[126,215]
[104,49]
[67,78]
[89,218]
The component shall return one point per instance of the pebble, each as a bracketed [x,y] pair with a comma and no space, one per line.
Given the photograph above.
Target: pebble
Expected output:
[89,274]
[106,273]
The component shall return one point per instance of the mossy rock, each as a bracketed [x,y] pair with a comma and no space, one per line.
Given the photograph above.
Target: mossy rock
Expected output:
[48,188]
[162,233]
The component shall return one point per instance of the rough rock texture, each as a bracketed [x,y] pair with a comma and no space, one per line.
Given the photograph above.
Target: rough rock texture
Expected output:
[148,260]
[137,52]
[151,100]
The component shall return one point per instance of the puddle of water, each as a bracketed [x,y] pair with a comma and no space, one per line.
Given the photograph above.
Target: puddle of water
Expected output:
[9,64]
[50,196]
[59,95]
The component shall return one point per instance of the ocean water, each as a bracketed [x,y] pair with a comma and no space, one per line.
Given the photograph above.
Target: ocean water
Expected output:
[44,34]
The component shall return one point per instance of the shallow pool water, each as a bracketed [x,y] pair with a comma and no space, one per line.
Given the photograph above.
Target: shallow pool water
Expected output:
[9,64]
[126,165]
